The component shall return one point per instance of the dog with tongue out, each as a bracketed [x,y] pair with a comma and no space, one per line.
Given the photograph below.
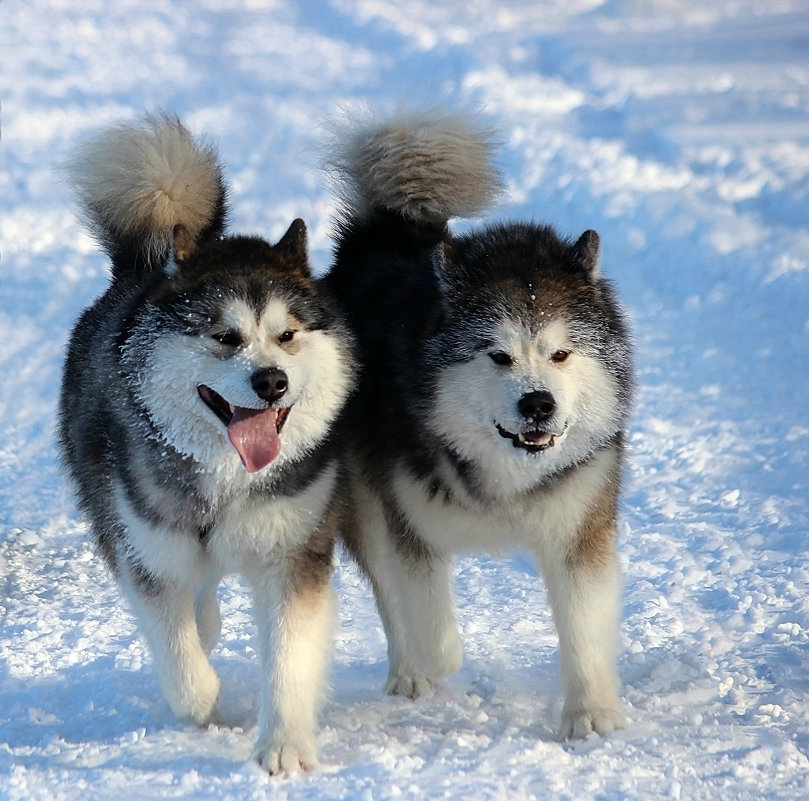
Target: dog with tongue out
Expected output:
[255,433]
[198,420]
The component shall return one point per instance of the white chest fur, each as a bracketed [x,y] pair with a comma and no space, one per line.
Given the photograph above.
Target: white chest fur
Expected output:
[261,529]
[459,522]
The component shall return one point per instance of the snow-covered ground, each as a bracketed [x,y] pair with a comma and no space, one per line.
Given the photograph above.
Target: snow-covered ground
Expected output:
[680,131]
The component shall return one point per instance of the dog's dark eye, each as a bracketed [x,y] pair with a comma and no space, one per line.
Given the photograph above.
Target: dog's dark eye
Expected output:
[286,336]
[501,357]
[560,356]
[231,339]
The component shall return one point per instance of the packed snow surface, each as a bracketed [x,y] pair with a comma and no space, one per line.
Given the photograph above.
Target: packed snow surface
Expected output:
[679,131]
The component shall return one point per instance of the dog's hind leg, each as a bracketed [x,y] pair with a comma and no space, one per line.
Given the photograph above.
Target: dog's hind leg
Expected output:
[294,619]
[166,614]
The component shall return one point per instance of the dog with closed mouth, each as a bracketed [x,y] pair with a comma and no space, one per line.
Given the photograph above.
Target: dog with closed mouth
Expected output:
[492,409]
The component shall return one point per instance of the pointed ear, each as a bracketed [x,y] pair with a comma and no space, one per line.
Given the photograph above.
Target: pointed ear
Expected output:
[293,242]
[293,248]
[184,245]
[587,253]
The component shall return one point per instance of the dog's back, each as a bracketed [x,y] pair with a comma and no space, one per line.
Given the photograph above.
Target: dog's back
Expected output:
[400,181]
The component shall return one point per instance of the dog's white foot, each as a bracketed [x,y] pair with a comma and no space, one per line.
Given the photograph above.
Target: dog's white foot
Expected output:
[285,759]
[441,657]
[409,685]
[195,696]
[579,721]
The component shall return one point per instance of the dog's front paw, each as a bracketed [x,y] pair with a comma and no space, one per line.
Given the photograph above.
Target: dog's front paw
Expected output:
[285,759]
[439,654]
[411,685]
[193,695]
[578,722]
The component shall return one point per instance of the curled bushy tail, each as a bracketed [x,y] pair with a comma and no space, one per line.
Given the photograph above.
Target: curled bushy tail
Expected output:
[426,166]
[137,182]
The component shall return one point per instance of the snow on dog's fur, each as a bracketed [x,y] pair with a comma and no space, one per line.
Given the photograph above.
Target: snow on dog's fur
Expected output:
[198,421]
[492,407]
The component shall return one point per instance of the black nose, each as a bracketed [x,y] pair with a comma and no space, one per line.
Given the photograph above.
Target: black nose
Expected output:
[537,406]
[270,383]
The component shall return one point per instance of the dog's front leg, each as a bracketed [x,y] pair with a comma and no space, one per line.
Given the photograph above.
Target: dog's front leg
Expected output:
[585,599]
[206,610]
[165,612]
[294,621]
[424,587]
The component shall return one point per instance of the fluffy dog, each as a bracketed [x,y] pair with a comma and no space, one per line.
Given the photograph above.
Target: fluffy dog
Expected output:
[493,404]
[197,421]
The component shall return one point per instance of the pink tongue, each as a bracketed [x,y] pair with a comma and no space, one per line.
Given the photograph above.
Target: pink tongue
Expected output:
[254,434]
